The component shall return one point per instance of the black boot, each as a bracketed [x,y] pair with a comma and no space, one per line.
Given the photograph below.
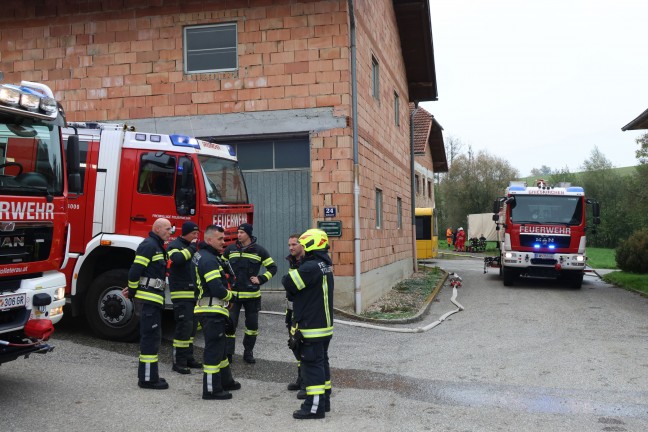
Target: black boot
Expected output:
[181,369]
[301,394]
[194,364]
[160,384]
[221,395]
[307,415]
[297,384]
[248,357]
[234,385]
[228,380]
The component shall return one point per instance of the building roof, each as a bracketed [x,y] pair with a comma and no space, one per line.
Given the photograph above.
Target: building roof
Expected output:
[428,131]
[640,122]
[415,29]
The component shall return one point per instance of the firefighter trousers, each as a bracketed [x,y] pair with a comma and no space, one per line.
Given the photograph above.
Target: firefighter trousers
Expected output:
[252,308]
[185,331]
[150,337]
[317,375]
[216,367]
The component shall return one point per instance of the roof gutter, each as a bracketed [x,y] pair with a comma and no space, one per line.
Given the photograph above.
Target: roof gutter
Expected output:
[413,186]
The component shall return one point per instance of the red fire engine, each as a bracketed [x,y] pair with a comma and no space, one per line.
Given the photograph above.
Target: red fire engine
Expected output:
[129,180]
[542,232]
[34,234]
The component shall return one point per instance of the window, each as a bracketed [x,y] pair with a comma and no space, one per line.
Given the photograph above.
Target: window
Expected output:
[156,175]
[375,78]
[399,213]
[418,183]
[210,48]
[271,154]
[429,185]
[396,109]
[378,208]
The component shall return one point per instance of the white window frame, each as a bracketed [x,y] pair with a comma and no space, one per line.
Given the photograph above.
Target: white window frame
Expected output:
[186,49]
[399,213]
[379,210]
[375,78]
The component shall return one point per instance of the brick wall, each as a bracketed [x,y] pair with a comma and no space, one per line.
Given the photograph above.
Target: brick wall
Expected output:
[115,59]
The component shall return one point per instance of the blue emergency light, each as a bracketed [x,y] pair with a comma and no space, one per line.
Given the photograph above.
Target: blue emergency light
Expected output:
[184,141]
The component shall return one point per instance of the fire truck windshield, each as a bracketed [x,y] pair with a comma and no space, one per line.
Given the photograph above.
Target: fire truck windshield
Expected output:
[30,158]
[224,182]
[547,209]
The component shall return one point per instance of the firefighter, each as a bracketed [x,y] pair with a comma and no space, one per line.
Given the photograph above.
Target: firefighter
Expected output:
[183,297]
[211,309]
[246,257]
[460,243]
[146,284]
[296,251]
[311,284]
[449,235]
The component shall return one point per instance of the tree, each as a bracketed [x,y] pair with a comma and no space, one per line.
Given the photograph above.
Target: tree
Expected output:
[608,187]
[471,185]
[642,153]
[543,172]
[453,148]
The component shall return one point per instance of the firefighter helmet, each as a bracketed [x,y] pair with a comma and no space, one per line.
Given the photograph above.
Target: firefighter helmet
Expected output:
[314,239]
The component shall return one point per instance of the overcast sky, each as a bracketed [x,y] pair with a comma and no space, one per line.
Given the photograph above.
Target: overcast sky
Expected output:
[541,82]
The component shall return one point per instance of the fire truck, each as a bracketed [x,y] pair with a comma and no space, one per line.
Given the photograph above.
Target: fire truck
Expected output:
[34,229]
[542,231]
[130,179]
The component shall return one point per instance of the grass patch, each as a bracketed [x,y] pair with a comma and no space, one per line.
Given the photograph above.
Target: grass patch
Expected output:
[407,297]
[601,258]
[638,282]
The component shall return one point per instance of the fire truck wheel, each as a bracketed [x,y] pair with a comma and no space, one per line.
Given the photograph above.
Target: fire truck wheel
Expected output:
[109,314]
[575,279]
[508,275]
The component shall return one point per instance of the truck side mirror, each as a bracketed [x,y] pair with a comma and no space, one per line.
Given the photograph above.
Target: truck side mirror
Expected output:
[596,210]
[495,217]
[496,206]
[73,164]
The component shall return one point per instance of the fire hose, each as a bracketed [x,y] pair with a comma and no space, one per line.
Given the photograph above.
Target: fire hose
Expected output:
[455,282]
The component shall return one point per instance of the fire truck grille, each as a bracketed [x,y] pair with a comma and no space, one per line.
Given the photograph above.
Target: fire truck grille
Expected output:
[27,243]
[532,240]
[543,261]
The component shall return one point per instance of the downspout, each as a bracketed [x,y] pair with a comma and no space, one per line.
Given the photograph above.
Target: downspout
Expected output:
[357,269]
[413,176]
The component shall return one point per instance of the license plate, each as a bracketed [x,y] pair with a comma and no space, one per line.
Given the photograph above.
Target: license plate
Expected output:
[13,301]
[539,255]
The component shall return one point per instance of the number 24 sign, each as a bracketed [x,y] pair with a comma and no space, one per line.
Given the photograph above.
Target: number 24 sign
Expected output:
[330,211]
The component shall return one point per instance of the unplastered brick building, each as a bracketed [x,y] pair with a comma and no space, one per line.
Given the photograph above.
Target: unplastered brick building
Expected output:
[313,95]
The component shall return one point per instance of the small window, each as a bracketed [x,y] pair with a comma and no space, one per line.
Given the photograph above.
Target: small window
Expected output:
[378,208]
[399,213]
[417,182]
[210,48]
[429,185]
[375,78]
[396,109]
[156,174]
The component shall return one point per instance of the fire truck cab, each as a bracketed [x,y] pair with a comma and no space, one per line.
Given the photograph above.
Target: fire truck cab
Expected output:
[542,231]
[129,180]
[34,234]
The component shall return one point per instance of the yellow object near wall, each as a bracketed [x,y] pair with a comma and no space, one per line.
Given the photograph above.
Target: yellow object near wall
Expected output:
[427,239]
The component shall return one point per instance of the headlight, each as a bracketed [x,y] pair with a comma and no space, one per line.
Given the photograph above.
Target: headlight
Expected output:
[580,258]
[30,101]
[48,105]
[9,96]
[508,255]
[59,294]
